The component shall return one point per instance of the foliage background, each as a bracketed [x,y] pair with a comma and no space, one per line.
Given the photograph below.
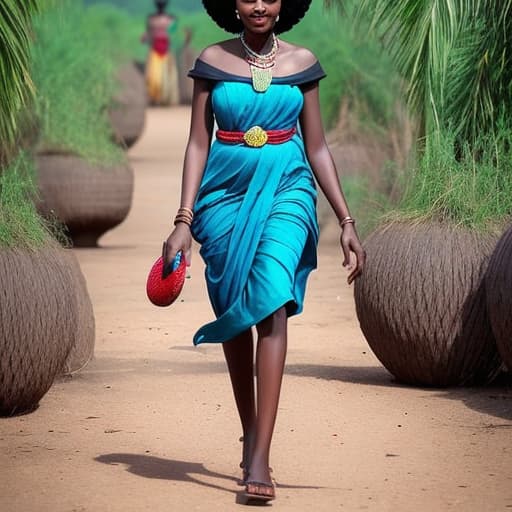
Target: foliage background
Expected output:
[74,61]
[455,58]
[142,7]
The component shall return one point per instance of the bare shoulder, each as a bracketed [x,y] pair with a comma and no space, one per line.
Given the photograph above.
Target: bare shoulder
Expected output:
[294,58]
[216,53]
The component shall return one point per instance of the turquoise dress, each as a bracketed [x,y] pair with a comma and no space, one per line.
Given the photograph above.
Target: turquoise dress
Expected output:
[255,211]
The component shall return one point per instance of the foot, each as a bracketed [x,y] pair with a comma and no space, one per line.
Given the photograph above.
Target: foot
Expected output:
[260,473]
[259,491]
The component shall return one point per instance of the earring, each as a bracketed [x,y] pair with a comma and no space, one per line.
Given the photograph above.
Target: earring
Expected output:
[237,14]
[277,18]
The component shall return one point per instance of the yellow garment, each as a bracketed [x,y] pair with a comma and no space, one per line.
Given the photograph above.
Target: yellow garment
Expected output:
[162,79]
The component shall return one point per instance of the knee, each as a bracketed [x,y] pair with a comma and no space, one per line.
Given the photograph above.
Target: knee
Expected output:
[274,324]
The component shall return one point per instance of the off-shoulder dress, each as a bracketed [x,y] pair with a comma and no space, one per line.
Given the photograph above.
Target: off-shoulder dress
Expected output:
[255,211]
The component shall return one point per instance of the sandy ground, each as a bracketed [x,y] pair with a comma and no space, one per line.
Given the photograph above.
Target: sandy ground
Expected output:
[150,424]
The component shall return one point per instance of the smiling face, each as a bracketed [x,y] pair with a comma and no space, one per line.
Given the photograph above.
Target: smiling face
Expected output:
[258,16]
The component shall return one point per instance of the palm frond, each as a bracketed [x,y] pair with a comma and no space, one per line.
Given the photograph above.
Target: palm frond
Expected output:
[455,57]
[481,73]
[15,83]
[419,35]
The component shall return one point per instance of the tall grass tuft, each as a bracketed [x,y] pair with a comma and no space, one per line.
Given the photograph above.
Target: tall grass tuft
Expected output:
[74,63]
[20,225]
[471,189]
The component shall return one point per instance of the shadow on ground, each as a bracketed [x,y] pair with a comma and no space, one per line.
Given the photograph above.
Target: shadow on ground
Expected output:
[148,466]
[120,368]
[165,469]
[495,399]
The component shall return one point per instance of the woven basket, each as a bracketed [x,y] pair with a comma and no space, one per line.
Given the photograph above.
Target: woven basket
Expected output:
[128,109]
[88,199]
[421,304]
[39,318]
[498,281]
[82,350]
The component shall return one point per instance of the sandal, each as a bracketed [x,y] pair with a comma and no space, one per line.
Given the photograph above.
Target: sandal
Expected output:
[259,491]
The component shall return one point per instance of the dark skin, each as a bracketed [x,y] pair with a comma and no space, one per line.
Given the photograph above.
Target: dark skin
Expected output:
[258,407]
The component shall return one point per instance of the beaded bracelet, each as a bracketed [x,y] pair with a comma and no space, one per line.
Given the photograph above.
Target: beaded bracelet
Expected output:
[184,215]
[347,220]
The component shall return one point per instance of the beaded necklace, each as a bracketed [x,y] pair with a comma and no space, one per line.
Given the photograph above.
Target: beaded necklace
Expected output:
[260,64]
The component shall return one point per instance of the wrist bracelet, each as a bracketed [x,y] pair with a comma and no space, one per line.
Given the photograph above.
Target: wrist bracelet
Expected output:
[184,209]
[347,220]
[184,215]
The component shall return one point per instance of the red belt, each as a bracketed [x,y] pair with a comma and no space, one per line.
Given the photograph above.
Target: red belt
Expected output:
[256,136]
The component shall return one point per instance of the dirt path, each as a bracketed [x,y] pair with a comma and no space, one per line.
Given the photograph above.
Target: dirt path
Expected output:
[151,425]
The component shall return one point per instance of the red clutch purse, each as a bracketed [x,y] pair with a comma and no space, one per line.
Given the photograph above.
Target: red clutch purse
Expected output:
[163,291]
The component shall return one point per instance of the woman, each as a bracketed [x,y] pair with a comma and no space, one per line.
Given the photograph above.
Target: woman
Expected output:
[161,70]
[250,199]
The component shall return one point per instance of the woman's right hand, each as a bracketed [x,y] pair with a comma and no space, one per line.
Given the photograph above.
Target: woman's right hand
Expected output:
[179,240]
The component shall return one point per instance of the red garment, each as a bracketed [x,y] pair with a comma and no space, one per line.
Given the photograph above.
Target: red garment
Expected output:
[161,44]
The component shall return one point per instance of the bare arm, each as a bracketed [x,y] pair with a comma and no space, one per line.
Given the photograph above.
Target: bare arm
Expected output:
[198,147]
[196,154]
[327,177]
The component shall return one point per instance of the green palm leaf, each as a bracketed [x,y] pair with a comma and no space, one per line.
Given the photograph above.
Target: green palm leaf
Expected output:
[15,83]
[455,56]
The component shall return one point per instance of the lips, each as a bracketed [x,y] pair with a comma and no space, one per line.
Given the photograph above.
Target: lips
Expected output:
[259,19]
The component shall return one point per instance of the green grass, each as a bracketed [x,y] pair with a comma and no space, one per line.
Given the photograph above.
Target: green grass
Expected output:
[20,225]
[74,65]
[473,189]
[367,205]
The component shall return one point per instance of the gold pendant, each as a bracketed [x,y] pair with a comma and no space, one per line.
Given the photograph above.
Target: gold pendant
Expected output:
[261,78]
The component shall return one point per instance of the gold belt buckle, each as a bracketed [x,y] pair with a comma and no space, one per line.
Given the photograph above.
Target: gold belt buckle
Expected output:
[255,137]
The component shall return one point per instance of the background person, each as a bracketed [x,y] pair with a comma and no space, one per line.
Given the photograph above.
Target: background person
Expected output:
[161,69]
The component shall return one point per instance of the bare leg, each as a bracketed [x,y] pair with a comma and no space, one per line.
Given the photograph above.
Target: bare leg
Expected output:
[270,359]
[239,354]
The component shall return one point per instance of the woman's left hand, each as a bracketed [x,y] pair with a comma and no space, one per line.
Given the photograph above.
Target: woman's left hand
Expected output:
[350,243]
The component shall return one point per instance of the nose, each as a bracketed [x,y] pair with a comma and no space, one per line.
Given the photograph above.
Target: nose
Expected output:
[259,6]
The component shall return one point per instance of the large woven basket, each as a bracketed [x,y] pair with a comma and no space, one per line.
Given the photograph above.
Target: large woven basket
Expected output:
[88,199]
[128,109]
[498,282]
[82,350]
[421,304]
[39,322]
